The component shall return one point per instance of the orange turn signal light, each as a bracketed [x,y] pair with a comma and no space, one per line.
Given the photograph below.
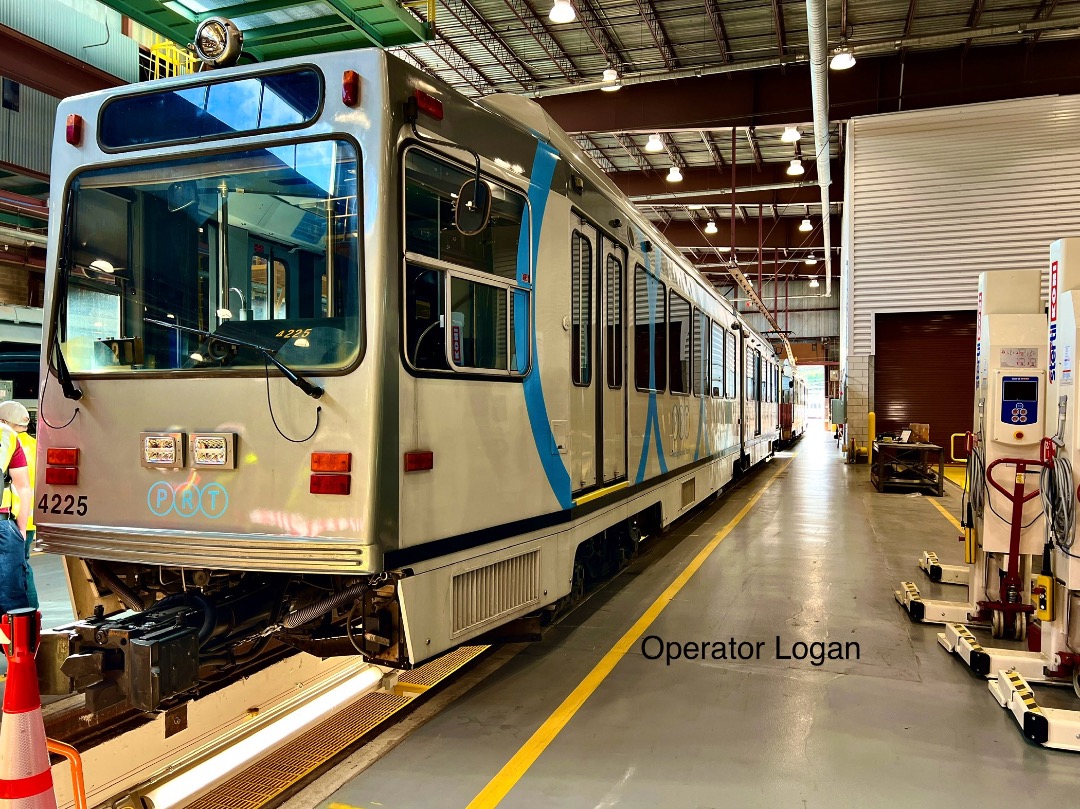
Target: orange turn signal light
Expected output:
[331,462]
[62,456]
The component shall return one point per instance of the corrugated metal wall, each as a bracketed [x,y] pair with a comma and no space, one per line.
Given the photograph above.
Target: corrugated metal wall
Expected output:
[810,313]
[938,196]
[81,28]
[924,372]
[26,135]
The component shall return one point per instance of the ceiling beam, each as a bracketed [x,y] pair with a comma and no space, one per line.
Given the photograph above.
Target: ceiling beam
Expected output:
[931,78]
[912,10]
[659,35]
[602,35]
[490,41]
[1046,8]
[640,160]
[459,63]
[595,153]
[754,148]
[783,233]
[716,19]
[714,149]
[778,22]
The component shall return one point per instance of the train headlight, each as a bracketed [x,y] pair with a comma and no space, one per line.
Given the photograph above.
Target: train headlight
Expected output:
[218,42]
[163,450]
[213,451]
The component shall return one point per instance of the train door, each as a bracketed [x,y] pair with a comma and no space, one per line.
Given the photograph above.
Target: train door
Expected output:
[759,386]
[586,444]
[611,349]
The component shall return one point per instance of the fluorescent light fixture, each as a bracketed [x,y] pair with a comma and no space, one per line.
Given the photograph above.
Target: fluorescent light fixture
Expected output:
[814,283]
[101,265]
[795,168]
[695,207]
[611,79]
[674,175]
[562,12]
[791,134]
[710,228]
[654,144]
[805,226]
[843,58]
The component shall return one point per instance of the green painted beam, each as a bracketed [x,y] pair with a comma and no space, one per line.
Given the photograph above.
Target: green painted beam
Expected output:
[297,29]
[420,29]
[363,26]
[243,9]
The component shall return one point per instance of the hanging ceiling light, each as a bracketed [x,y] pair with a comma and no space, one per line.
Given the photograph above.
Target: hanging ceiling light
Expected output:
[562,12]
[843,58]
[674,175]
[795,168]
[711,228]
[791,134]
[805,226]
[655,144]
[611,75]
[814,283]
[695,206]
[811,259]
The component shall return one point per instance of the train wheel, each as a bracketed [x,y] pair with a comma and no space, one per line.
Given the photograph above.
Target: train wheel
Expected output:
[997,624]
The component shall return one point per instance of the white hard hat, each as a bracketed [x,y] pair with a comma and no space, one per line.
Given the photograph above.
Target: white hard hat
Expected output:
[14,413]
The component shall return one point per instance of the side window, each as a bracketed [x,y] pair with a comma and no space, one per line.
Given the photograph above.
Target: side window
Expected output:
[613,336]
[679,323]
[650,331]
[465,306]
[750,389]
[701,354]
[717,360]
[581,309]
[731,366]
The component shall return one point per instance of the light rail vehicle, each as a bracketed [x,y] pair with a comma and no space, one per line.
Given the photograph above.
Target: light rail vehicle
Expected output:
[339,359]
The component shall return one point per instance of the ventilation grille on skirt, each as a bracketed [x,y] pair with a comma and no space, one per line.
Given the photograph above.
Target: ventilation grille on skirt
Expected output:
[488,593]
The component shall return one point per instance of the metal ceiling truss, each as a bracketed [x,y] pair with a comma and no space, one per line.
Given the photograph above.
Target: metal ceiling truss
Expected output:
[755,150]
[595,153]
[460,64]
[490,41]
[659,35]
[714,149]
[602,35]
[778,22]
[531,22]
[716,19]
[635,153]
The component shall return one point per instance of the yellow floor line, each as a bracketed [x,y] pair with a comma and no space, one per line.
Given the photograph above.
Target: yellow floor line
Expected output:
[948,516]
[499,786]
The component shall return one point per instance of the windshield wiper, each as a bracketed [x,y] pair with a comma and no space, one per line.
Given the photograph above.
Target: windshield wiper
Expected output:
[314,391]
[64,374]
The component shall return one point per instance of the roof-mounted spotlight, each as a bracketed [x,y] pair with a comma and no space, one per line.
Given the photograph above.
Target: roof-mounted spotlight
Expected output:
[218,42]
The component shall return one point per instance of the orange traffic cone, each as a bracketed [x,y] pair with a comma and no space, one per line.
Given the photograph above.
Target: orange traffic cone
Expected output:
[25,774]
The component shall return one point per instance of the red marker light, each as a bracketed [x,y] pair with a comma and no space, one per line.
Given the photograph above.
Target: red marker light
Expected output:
[74,129]
[429,105]
[419,461]
[61,475]
[330,484]
[350,88]
[62,456]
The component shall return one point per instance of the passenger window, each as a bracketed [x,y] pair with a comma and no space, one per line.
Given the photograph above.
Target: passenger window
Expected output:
[466,308]
[717,360]
[581,309]
[701,354]
[750,390]
[614,332]
[679,342]
[731,367]
[650,332]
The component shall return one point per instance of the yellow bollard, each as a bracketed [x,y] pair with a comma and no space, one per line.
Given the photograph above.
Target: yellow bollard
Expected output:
[871,422]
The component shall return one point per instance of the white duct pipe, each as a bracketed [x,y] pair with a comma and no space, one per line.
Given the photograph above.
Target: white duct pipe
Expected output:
[22,238]
[817,22]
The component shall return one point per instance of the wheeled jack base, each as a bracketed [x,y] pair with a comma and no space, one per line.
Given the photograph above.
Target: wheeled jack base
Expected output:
[958,639]
[1050,727]
[944,574]
[930,611]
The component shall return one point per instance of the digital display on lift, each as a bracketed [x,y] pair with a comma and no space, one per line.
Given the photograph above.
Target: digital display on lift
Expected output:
[1020,390]
[1019,399]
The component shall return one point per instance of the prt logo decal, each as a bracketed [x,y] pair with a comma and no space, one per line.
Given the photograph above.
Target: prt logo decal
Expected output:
[187,499]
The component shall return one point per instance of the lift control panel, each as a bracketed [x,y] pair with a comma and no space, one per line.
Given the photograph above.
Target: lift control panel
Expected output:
[1019,417]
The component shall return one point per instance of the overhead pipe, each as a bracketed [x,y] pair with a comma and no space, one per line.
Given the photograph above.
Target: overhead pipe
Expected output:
[22,238]
[748,189]
[817,23]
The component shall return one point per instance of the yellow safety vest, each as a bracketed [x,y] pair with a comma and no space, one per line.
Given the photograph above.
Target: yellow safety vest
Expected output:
[29,445]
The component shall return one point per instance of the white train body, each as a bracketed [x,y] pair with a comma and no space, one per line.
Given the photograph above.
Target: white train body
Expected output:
[510,363]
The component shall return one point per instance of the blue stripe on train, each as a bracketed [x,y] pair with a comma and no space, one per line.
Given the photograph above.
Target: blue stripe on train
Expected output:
[543,170]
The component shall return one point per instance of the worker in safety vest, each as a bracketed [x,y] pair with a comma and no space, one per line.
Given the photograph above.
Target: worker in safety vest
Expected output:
[17,457]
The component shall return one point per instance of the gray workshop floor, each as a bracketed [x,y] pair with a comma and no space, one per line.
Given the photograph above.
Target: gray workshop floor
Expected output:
[817,558]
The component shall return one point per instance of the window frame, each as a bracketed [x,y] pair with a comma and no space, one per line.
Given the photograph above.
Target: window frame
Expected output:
[671,346]
[731,364]
[659,324]
[614,337]
[577,372]
[449,270]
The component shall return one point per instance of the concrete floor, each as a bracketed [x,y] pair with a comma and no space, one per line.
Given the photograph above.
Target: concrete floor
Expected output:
[817,558]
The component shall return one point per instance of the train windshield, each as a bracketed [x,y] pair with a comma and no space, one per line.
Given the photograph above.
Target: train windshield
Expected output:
[259,246]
